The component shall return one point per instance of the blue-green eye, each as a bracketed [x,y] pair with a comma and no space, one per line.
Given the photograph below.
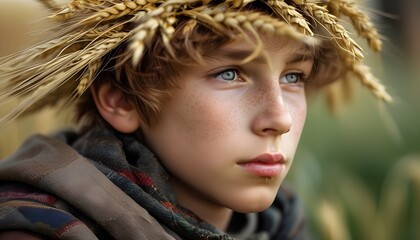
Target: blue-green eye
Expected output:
[227,75]
[292,78]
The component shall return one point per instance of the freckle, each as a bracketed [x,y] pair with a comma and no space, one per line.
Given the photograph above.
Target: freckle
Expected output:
[253,100]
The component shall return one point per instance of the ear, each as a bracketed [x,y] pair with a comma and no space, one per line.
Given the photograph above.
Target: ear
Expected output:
[115,109]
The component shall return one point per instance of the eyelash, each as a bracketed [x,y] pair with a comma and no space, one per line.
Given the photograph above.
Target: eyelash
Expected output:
[300,75]
[236,71]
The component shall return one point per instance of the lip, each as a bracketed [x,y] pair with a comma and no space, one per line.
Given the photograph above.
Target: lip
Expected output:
[265,165]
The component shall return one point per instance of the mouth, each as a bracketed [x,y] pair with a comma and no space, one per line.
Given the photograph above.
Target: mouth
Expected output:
[265,165]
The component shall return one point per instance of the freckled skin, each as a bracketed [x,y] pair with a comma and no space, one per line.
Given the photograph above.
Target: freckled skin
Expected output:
[210,125]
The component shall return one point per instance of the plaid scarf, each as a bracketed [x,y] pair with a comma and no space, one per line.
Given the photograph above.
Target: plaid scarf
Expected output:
[132,168]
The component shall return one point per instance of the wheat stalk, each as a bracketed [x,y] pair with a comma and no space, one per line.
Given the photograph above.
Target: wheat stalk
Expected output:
[21,108]
[42,51]
[360,21]
[50,4]
[55,74]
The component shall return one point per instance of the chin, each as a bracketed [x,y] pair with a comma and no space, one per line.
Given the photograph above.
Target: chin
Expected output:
[256,202]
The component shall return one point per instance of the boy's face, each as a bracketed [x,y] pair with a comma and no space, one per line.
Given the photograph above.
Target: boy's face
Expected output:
[219,133]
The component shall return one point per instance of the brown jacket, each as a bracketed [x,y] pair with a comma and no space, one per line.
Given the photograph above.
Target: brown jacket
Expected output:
[51,165]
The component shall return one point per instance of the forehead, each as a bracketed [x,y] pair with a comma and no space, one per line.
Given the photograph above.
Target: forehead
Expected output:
[243,49]
[276,43]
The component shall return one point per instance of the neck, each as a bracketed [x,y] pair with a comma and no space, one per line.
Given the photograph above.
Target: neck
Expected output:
[213,213]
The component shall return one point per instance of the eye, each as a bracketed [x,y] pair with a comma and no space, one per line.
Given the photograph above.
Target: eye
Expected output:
[294,77]
[227,75]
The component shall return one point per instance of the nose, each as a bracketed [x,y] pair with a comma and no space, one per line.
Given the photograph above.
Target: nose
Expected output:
[273,116]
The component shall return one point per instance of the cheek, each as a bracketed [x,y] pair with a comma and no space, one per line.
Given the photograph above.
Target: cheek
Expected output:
[194,126]
[297,108]
[299,117]
[207,119]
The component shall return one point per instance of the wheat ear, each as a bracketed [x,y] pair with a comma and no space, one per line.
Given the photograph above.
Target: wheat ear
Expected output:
[116,11]
[360,20]
[104,31]
[143,34]
[161,17]
[350,53]
[367,79]
[242,26]
[341,37]
[88,77]
[258,21]
[74,6]
[291,15]
[246,24]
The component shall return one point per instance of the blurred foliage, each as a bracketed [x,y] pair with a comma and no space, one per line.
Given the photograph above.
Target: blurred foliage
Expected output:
[357,170]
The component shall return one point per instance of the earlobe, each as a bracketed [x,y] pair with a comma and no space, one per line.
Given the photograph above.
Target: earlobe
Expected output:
[115,109]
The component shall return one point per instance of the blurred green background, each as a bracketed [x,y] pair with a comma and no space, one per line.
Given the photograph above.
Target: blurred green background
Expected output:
[357,169]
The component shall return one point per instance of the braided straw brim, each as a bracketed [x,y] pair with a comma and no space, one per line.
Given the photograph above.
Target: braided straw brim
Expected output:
[61,68]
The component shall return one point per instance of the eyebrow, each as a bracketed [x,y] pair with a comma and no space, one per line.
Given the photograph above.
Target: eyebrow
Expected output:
[300,57]
[236,55]
[239,55]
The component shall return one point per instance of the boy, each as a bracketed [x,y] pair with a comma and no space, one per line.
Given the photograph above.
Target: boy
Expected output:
[190,115]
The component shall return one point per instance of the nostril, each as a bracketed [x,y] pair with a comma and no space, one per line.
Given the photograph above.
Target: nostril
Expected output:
[269,130]
[276,131]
